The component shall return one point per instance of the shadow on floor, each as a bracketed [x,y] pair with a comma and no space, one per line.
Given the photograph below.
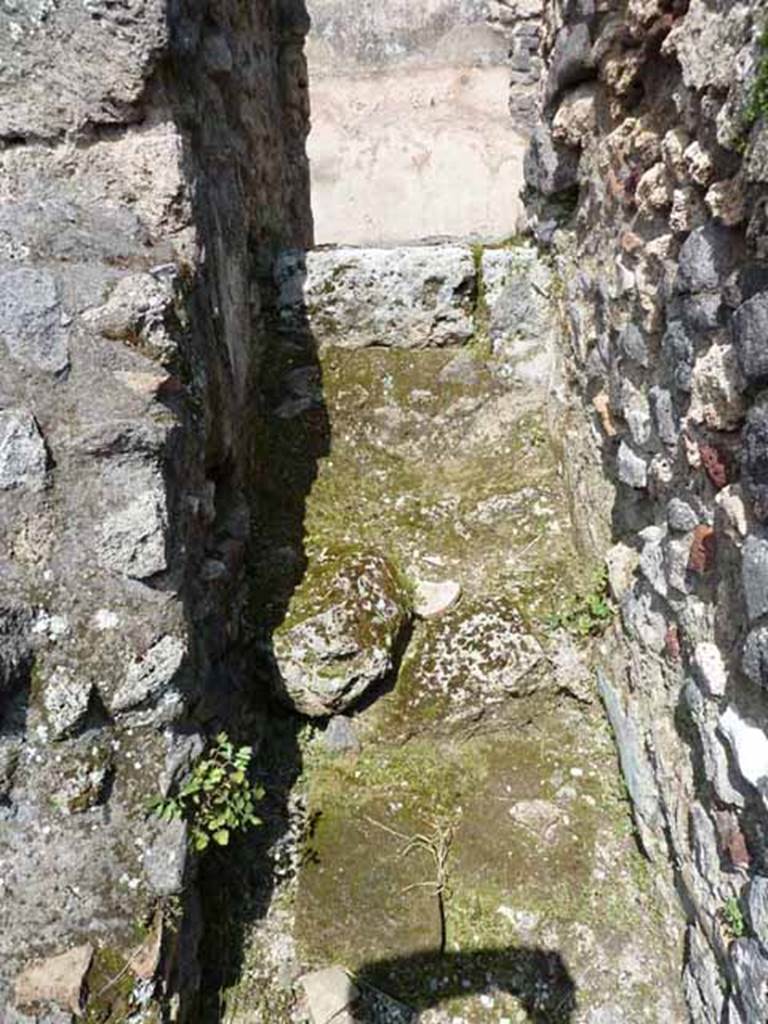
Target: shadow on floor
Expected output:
[537,978]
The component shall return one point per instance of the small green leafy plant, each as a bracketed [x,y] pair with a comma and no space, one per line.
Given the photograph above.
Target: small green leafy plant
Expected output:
[733,918]
[588,613]
[217,798]
[757,104]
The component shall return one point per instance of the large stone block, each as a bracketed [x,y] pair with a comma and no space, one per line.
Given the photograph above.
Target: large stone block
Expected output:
[408,297]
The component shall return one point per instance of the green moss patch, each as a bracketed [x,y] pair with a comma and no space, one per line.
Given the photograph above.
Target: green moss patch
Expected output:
[542,859]
[451,473]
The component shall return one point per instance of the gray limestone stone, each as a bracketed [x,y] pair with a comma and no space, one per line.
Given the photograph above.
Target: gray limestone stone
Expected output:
[340,736]
[705,850]
[754,574]
[749,327]
[677,349]
[681,517]
[632,468]
[133,539]
[702,979]
[703,714]
[139,306]
[571,60]
[652,559]
[748,743]
[329,992]
[23,458]
[643,620]
[165,858]
[621,562]
[733,1013]
[754,660]
[755,459]
[702,312]
[516,284]
[634,763]
[750,965]
[66,696]
[676,558]
[550,167]
[516,291]
[757,909]
[149,676]
[69,231]
[633,344]
[710,668]
[96,83]
[31,320]
[665,420]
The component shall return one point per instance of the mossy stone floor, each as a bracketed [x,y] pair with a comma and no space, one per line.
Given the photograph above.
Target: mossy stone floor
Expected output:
[485,740]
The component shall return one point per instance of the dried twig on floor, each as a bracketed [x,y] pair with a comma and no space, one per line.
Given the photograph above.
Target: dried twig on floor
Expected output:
[437,845]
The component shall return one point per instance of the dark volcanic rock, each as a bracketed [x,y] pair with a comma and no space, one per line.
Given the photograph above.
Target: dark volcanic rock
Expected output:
[750,335]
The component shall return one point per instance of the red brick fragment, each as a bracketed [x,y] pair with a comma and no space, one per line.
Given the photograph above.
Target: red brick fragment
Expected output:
[672,643]
[170,386]
[731,841]
[736,847]
[714,464]
[703,549]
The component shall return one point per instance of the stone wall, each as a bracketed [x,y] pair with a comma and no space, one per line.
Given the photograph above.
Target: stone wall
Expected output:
[647,180]
[411,136]
[151,161]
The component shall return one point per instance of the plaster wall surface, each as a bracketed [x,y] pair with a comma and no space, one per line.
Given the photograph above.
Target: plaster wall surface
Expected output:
[411,131]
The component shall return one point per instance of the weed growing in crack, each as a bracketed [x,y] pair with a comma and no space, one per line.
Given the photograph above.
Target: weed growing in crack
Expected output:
[481,344]
[585,614]
[217,798]
[757,104]
[732,917]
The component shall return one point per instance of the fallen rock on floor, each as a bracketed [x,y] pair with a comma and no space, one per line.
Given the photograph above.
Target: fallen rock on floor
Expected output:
[329,993]
[59,980]
[342,634]
[340,736]
[432,599]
